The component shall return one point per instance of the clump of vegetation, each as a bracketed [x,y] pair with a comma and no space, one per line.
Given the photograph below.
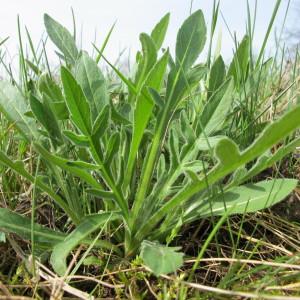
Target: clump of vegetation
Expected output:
[125,167]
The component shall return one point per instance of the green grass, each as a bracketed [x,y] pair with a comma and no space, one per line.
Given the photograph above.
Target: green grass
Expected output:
[151,184]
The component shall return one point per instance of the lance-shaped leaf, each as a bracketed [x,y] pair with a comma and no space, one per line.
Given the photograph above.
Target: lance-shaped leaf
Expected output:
[76,101]
[238,66]
[18,167]
[51,92]
[161,259]
[216,109]
[59,109]
[48,86]
[147,60]
[15,223]
[159,32]
[2,237]
[229,159]
[101,123]
[191,39]
[90,224]
[14,107]
[248,198]
[46,117]
[78,140]
[212,118]
[216,76]
[92,82]
[62,38]
[33,67]
[112,148]
[75,167]
[195,74]
[144,107]
[266,161]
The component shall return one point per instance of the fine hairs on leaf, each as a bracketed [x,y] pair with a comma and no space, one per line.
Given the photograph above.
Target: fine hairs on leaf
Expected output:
[128,158]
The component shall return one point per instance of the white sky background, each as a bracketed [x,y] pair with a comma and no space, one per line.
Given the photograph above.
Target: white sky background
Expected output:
[133,17]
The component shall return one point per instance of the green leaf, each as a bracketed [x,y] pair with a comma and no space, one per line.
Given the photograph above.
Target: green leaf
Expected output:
[93,261]
[128,82]
[186,130]
[195,74]
[229,159]
[144,107]
[147,60]
[4,40]
[159,32]
[156,98]
[14,107]
[248,198]
[92,82]
[112,147]
[33,67]
[117,116]
[45,116]
[2,237]
[100,52]
[101,123]
[67,165]
[161,259]
[76,102]
[238,66]
[60,110]
[52,93]
[208,143]
[216,109]
[18,167]
[78,140]
[44,237]
[90,224]
[174,149]
[48,86]
[83,165]
[101,193]
[62,38]
[266,161]
[191,39]
[20,225]
[216,76]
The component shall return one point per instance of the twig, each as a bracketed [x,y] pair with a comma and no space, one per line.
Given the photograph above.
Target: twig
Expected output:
[247,261]
[231,293]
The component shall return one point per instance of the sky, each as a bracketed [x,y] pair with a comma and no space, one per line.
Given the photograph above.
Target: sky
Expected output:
[95,17]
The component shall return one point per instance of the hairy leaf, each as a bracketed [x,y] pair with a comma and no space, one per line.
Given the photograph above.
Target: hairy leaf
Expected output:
[45,116]
[147,60]
[14,107]
[90,224]
[161,259]
[62,38]
[217,108]
[144,107]
[216,76]
[238,66]
[78,140]
[48,86]
[68,166]
[230,158]
[92,82]
[191,39]
[248,198]
[159,32]
[76,102]
[15,223]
